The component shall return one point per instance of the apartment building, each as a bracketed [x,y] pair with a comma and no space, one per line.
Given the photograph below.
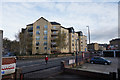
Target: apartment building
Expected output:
[115,44]
[93,47]
[45,33]
[82,41]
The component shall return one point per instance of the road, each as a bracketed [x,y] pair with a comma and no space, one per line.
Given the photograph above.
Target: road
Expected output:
[39,68]
[25,63]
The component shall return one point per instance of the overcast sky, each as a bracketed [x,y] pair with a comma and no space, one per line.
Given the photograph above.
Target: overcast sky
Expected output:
[100,15]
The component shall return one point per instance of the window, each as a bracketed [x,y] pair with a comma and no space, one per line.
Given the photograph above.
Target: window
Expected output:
[72,44]
[54,27]
[54,32]
[54,48]
[31,33]
[38,32]
[72,31]
[38,27]
[45,43]
[72,40]
[45,26]
[30,29]
[37,47]
[37,43]
[72,35]
[54,37]
[45,32]
[45,37]
[37,37]
[45,48]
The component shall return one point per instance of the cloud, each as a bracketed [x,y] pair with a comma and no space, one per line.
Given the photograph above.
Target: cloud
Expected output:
[77,14]
[60,0]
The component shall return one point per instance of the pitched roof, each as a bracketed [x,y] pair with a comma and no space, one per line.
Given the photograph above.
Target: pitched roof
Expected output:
[55,23]
[30,24]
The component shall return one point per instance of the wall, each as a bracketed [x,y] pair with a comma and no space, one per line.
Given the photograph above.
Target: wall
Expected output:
[41,22]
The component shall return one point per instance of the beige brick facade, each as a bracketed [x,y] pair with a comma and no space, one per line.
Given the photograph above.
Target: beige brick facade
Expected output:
[45,32]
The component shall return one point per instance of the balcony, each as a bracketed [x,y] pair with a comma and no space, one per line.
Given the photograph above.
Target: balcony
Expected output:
[54,49]
[54,34]
[54,38]
[53,44]
[54,29]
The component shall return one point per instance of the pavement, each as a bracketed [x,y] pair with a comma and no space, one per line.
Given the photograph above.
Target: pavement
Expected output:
[100,67]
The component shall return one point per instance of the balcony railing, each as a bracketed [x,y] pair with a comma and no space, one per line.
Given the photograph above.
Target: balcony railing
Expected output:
[53,38]
[54,29]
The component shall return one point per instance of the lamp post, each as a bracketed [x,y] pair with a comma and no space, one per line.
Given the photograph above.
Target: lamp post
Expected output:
[1,43]
[88,33]
[76,51]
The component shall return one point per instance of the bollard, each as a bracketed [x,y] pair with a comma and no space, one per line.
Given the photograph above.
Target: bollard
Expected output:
[62,65]
[114,75]
[18,73]
[118,74]
[21,77]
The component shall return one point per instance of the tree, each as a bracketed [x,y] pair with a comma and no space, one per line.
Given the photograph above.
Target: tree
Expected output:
[28,44]
[25,42]
[10,46]
[61,40]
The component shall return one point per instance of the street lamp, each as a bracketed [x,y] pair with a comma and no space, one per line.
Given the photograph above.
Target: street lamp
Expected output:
[76,51]
[88,33]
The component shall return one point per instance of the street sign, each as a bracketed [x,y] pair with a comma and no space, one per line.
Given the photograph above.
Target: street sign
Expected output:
[71,61]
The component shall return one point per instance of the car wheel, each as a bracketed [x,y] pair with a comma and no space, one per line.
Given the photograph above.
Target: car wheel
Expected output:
[106,63]
[91,62]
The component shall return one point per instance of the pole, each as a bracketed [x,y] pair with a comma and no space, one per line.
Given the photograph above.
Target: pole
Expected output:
[1,44]
[88,33]
[76,52]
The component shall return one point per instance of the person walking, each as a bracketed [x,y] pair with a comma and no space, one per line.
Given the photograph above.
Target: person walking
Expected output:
[46,59]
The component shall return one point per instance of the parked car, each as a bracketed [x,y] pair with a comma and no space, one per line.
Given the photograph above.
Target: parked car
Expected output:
[100,60]
[8,54]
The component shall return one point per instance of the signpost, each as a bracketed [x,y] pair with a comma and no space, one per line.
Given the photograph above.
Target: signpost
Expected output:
[1,43]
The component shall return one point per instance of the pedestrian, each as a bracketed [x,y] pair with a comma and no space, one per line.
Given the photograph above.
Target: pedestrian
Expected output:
[46,59]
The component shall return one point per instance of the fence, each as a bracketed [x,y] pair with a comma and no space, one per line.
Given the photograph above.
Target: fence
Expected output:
[41,56]
[79,60]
